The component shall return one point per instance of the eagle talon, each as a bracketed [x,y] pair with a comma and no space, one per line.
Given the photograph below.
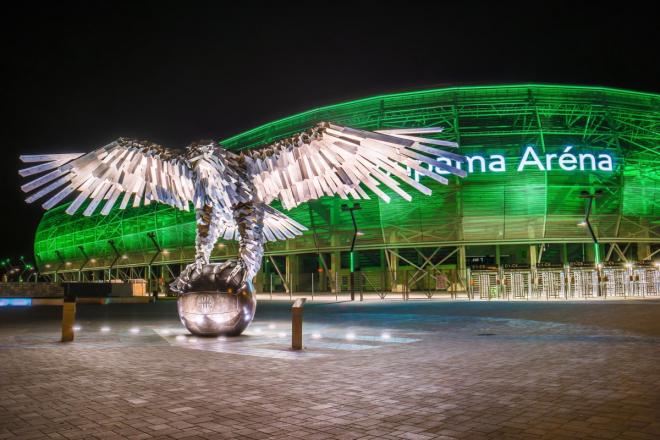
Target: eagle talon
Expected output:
[182,283]
[240,268]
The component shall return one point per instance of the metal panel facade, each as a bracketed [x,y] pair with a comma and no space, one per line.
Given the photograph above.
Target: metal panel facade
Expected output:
[495,203]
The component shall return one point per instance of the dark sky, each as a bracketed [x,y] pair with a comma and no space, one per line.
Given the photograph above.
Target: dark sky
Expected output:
[80,74]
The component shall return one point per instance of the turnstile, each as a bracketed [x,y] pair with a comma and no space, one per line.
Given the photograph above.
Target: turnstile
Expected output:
[616,281]
[653,281]
[551,281]
[484,283]
[517,281]
[583,282]
[643,281]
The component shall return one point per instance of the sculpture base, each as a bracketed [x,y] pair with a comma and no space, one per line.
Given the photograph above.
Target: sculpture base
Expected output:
[213,305]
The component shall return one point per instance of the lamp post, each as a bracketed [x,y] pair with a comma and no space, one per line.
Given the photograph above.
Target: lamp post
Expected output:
[355,207]
[114,260]
[587,211]
[152,237]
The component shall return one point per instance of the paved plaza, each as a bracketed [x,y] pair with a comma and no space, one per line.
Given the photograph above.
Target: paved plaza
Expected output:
[373,370]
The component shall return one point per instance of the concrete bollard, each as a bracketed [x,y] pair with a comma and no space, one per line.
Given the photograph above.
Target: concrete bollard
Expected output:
[68,318]
[296,324]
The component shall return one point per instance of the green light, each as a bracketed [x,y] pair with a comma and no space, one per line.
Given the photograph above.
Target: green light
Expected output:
[597,253]
[352,259]
[506,206]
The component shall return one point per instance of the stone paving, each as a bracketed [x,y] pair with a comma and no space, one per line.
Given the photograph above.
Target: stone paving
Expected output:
[381,370]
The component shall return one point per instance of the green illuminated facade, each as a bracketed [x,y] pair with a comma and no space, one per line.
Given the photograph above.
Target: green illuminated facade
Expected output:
[498,209]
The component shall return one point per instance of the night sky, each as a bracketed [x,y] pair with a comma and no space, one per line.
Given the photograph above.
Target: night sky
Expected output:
[79,75]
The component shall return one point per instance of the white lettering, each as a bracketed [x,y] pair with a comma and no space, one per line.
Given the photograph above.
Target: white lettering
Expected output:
[470,161]
[590,156]
[567,161]
[529,151]
[443,160]
[605,162]
[497,164]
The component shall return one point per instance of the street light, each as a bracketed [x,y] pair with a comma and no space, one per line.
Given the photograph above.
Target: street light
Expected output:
[355,207]
[587,211]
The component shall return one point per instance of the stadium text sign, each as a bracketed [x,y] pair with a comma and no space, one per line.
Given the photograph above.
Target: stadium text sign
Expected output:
[566,159]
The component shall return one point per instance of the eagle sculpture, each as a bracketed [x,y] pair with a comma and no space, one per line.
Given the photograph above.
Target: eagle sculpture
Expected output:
[231,191]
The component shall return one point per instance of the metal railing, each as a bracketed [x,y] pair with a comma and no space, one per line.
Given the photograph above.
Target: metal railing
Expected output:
[499,284]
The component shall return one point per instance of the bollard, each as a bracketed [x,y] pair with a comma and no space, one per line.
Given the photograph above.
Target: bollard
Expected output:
[68,318]
[296,324]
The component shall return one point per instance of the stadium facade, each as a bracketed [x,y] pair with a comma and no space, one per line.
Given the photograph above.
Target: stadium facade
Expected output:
[531,151]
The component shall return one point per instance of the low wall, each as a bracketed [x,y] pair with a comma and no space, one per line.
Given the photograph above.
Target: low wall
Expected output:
[31,290]
[56,290]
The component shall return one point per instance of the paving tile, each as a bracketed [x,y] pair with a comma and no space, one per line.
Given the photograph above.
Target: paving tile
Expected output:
[432,377]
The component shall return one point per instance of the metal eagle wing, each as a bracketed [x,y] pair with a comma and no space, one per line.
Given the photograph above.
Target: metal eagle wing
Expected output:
[139,169]
[332,159]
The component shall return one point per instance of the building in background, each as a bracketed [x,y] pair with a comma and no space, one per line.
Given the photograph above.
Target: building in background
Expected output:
[531,149]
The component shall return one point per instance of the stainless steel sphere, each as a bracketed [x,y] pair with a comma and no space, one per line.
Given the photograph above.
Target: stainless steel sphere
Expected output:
[213,305]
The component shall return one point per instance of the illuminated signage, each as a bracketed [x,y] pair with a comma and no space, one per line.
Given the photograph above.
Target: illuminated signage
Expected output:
[566,159]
